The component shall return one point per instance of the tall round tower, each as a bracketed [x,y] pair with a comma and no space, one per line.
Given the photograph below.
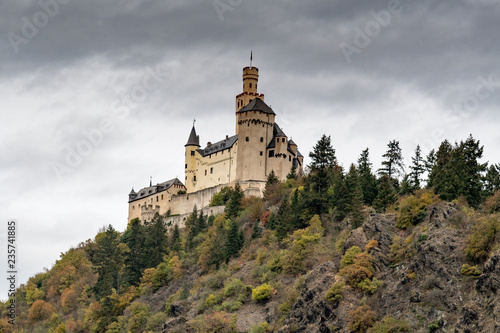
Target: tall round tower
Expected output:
[190,167]
[250,82]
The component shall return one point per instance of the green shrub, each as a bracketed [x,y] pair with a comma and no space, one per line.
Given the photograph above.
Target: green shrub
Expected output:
[262,293]
[422,238]
[470,270]
[492,204]
[334,294]
[162,275]
[260,328]
[369,286]
[361,319]
[349,256]
[481,240]
[231,305]
[433,327]
[234,287]
[212,300]
[391,325]
[412,208]
[155,321]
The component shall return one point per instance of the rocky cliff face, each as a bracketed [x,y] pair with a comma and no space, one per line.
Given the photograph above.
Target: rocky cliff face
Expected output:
[426,287]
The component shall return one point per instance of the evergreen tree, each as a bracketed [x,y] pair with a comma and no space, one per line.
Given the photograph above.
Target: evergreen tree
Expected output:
[387,195]
[393,165]
[233,206]
[406,186]
[256,230]
[492,180]
[234,241]
[271,179]
[293,173]
[201,223]
[417,169]
[135,258]
[175,243]
[323,159]
[440,176]
[355,195]
[156,241]
[272,189]
[341,197]
[191,228]
[429,165]
[368,180]
[108,262]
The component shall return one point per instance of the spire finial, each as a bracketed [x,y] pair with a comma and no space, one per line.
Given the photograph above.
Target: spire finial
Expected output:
[251,58]
[194,121]
[150,181]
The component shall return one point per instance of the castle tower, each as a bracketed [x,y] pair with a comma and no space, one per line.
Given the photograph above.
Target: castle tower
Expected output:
[250,81]
[254,126]
[190,167]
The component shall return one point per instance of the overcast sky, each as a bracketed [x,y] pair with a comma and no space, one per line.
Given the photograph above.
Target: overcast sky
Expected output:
[97,96]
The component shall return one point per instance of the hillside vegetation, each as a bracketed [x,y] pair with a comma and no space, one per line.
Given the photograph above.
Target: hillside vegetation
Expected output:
[331,250]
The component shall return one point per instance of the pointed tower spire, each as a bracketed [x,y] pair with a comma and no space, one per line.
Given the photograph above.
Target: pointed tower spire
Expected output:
[193,140]
[251,58]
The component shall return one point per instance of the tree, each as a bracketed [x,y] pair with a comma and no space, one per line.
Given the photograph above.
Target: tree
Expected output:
[323,160]
[135,256]
[282,221]
[367,179]
[256,232]
[440,177]
[293,173]
[393,164]
[156,241]
[234,240]
[492,179]
[233,206]
[417,168]
[355,203]
[387,195]
[175,243]
[108,262]
[341,197]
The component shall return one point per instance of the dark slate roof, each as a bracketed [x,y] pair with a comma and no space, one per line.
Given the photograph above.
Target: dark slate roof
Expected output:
[277,133]
[194,140]
[257,104]
[219,146]
[290,142]
[150,190]
[132,192]
[299,154]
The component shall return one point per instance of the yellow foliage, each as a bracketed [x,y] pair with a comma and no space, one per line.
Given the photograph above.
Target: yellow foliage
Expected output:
[40,311]
[176,266]
[69,299]
[412,208]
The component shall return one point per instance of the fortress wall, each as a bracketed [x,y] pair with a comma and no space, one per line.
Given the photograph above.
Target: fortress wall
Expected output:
[180,220]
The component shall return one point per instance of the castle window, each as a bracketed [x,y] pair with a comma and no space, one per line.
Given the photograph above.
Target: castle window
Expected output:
[205,172]
[261,139]
[211,170]
[162,197]
[271,153]
[185,166]
[194,178]
[156,198]
[133,207]
[192,153]
[247,139]
[283,140]
[261,153]
[186,177]
[290,158]
[250,85]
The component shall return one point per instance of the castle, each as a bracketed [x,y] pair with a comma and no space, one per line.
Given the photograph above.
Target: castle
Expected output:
[258,147]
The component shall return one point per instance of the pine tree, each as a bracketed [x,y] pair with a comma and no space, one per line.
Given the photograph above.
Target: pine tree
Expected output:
[471,171]
[108,262]
[282,222]
[355,195]
[272,179]
[406,186]
[387,195]
[293,173]
[492,180]
[341,197]
[393,165]
[417,169]
[440,176]
[135,257]
[256,230]
[429,165]
[234,241]
[175,243]
[368,180]
[233,206]
[323,160]
[156,241]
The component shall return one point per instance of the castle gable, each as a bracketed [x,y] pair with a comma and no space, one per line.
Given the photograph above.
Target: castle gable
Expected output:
[257,105]
[151,190]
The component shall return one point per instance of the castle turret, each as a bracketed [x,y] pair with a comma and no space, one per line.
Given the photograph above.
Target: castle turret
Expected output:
[250,81]
[190,167]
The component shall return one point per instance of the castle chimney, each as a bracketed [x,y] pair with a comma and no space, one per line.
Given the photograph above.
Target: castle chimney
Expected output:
[227,137]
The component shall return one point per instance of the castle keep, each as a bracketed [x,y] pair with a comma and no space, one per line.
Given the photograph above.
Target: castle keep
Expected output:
[258,147]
